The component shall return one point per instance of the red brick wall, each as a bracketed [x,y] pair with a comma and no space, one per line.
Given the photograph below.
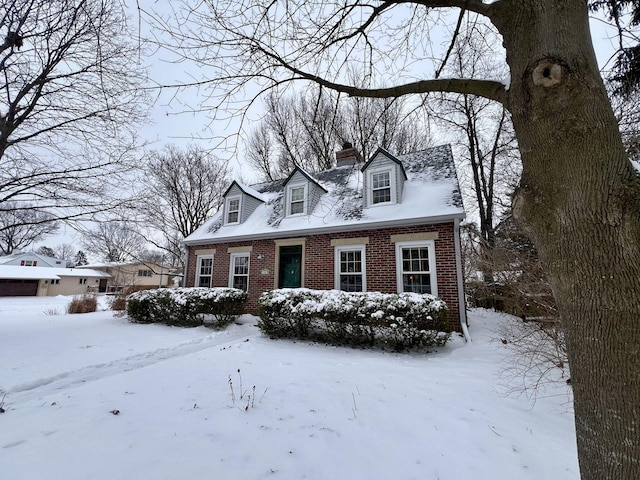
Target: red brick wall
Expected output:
[319,263]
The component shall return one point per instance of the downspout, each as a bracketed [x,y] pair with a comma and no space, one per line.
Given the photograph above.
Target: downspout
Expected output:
[186,266]
[462,304]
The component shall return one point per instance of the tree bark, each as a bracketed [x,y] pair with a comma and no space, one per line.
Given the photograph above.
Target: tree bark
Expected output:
[579,200]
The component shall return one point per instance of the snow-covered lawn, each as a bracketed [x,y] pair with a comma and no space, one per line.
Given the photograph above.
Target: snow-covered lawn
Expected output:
[319,412]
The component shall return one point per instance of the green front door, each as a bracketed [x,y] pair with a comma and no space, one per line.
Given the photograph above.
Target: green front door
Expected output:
[290,271]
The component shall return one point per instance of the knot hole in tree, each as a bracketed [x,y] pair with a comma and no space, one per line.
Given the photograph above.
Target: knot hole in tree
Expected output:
[547,74]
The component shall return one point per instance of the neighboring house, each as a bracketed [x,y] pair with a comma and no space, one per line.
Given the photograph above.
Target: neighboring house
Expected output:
[47,281]
[32,259]
[131,276]
[389,225]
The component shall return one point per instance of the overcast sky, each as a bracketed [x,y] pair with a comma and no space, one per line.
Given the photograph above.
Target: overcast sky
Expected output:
[173,119]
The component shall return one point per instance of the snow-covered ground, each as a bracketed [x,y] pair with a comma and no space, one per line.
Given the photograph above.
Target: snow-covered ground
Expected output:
[318,412]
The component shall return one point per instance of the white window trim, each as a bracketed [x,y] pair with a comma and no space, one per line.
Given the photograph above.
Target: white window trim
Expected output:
[232,260]
[199,260]
[430,244]
[336,269]
[226,209]
[305,187]
[392,184]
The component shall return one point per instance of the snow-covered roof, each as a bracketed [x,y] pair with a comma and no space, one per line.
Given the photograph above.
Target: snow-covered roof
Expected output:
[431,194]
[43,259]
[123,264]
[46,273]
[246,190]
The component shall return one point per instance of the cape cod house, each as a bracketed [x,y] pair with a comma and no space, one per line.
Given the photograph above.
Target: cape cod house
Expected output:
[390,224]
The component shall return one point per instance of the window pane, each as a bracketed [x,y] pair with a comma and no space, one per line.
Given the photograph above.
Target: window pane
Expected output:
[233,210]
[350,264]
[241,265]
[416,271]
[418,283]
[380,180]
[240,269]
[206,265]
[205,271]
[382,195]
[297,207]
[240,282]
[297,194]
[351,283]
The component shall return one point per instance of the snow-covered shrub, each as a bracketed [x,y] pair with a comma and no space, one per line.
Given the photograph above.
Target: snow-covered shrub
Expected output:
[187,307]
[83,304]
[356,318]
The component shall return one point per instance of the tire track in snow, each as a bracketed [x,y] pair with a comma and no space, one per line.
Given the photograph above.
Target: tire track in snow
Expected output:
[56,383]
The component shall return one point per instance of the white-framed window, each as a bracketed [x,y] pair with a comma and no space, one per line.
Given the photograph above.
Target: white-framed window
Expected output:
[381,186]
[416,267]
[297,199]
[350,269]
[239,271]
[204,270]
[232,210]
[82,281]
[145,273]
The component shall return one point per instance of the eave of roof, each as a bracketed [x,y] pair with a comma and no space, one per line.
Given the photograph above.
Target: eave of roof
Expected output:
[15,272]
[389,156]
[359,226]
[246,190]
[306,175]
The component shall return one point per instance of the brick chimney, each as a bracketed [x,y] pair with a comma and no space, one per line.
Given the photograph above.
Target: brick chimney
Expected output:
[347,156]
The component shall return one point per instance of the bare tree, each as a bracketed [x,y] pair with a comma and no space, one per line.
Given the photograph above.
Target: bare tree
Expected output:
[303,128]
[260,152]
[488,161]
[390,123]
[65,251]
[185,188]
[46,251]
[306,129]
[69,104]
[21,227]
[114,241]
[579,195]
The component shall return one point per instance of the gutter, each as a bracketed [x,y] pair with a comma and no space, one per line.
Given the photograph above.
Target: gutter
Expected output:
[462,307]
[299,232]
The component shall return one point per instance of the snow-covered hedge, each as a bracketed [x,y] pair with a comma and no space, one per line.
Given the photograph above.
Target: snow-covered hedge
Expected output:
[402,320]
[186,306]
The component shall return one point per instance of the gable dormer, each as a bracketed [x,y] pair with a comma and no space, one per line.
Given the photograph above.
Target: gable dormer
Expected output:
[301,193]
[383,178]
[239,202]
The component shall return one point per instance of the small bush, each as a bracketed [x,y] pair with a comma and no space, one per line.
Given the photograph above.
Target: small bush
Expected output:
[118,301]
[405,320]
[187,307]
[83,304]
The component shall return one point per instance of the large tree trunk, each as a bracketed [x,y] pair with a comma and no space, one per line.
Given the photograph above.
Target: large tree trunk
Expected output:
[579,200]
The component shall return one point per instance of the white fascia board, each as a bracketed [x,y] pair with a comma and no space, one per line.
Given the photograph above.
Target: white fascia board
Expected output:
[276,233]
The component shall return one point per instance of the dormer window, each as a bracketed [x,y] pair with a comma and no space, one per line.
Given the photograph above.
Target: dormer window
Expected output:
[384,178]
[232,210]
[381,188]
[297,195]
